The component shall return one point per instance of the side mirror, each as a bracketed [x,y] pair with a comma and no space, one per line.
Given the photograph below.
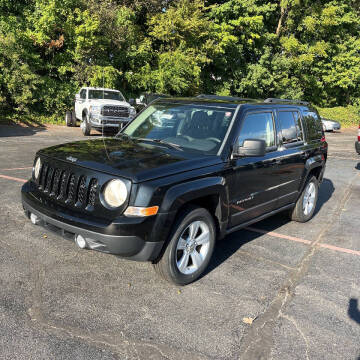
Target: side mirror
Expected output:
[132,102]
[251,147]
[77,96]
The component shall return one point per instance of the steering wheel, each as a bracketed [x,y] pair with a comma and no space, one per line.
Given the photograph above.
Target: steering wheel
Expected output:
[214,139]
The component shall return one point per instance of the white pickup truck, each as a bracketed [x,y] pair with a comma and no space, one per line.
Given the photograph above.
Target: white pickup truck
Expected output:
[105,110]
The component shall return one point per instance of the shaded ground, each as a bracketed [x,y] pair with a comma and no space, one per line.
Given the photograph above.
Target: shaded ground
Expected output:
[60,302]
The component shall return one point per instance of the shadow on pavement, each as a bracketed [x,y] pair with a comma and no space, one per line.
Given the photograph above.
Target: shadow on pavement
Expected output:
[353,310]
[233,242]
[325,192]
[18,130]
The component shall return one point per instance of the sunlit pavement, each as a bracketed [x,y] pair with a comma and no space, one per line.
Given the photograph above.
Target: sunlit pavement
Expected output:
[277,290]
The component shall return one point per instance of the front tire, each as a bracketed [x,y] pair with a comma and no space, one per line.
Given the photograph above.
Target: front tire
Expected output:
[85,126]
[190,247]
[306,204]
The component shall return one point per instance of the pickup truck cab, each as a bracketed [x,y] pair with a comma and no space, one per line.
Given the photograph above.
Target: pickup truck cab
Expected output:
[102,109]
[183,174]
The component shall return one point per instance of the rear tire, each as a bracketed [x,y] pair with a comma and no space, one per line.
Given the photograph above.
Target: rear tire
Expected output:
[190,247]
[85,126]
[68,118]
[306,204]
[73,118]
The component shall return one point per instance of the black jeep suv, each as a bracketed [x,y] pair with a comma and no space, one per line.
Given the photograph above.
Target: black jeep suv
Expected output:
[182,174]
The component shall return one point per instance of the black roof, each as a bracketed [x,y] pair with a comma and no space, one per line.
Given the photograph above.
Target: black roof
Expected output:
[230,101]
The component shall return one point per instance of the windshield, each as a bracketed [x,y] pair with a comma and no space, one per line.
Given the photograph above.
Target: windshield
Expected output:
[106,94]
[194,128]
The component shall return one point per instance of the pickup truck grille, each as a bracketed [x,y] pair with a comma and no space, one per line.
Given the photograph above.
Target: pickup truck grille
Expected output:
[115,111]
[67,187]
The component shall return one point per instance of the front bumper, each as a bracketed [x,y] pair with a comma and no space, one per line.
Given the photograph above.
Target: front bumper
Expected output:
[100,121]
[119,240]
[357,147]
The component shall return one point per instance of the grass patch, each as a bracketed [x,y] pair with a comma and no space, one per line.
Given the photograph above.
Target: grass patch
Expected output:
[32,120]
[346,116]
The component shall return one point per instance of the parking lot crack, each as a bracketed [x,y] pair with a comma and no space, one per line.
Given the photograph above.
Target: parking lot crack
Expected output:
[258,341]
[289,318]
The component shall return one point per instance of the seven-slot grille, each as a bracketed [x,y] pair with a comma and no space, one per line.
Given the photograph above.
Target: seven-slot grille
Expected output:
[67,187]
[117,111]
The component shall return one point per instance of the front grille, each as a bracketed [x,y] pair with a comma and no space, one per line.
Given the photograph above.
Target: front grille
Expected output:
[114,110]
[67,187]
[92,192]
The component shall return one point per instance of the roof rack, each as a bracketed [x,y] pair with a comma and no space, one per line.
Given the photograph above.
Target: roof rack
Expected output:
[219,97]
[272,100]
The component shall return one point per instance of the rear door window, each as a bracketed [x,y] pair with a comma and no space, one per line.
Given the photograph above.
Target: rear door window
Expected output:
[291,128]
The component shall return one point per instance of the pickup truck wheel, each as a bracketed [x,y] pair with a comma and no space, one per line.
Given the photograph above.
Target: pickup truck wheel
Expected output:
[68,118]
[190,247]
[73,116]
[306,204]
[85,126]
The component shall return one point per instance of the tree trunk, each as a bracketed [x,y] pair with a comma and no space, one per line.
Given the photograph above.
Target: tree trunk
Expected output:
[280,23]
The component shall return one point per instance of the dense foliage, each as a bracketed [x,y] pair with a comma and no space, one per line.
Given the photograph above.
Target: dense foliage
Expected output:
[303,49]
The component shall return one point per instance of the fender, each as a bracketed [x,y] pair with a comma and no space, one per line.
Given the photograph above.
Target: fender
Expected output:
[181,194]
[311,163]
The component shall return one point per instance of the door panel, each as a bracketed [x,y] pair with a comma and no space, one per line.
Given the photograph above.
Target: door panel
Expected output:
[293,155]
[253,186]
[291,166]
[254,190]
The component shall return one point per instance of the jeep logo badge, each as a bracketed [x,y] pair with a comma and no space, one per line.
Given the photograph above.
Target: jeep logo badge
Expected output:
[70,158]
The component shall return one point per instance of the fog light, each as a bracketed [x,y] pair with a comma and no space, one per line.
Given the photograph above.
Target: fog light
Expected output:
[34,219]
[80,242]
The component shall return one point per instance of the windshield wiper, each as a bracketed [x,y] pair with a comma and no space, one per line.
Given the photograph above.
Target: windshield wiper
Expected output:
[159,141]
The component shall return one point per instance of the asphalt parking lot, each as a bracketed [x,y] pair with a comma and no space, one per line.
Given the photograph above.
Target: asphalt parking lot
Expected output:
[277,290]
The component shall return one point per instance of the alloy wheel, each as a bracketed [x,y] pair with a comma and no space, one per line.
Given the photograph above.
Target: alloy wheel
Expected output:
[309,198]
[192,247]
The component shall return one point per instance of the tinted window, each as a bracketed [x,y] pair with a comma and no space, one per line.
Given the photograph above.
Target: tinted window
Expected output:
[258,126]
[313,125]
[299,129]
[288,127]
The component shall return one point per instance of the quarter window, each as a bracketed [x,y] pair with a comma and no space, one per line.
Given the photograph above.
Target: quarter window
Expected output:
[291,130]
[313,125]
[258,126]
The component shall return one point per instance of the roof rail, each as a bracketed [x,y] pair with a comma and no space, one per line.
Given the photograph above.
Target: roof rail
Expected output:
[273,100]
[225,98]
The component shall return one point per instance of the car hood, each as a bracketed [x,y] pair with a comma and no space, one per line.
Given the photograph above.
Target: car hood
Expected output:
[108,102]
[132,159]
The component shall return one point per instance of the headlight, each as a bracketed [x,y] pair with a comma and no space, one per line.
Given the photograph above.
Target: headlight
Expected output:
[132,112]
[37,168]
[95,109]
[115,193]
